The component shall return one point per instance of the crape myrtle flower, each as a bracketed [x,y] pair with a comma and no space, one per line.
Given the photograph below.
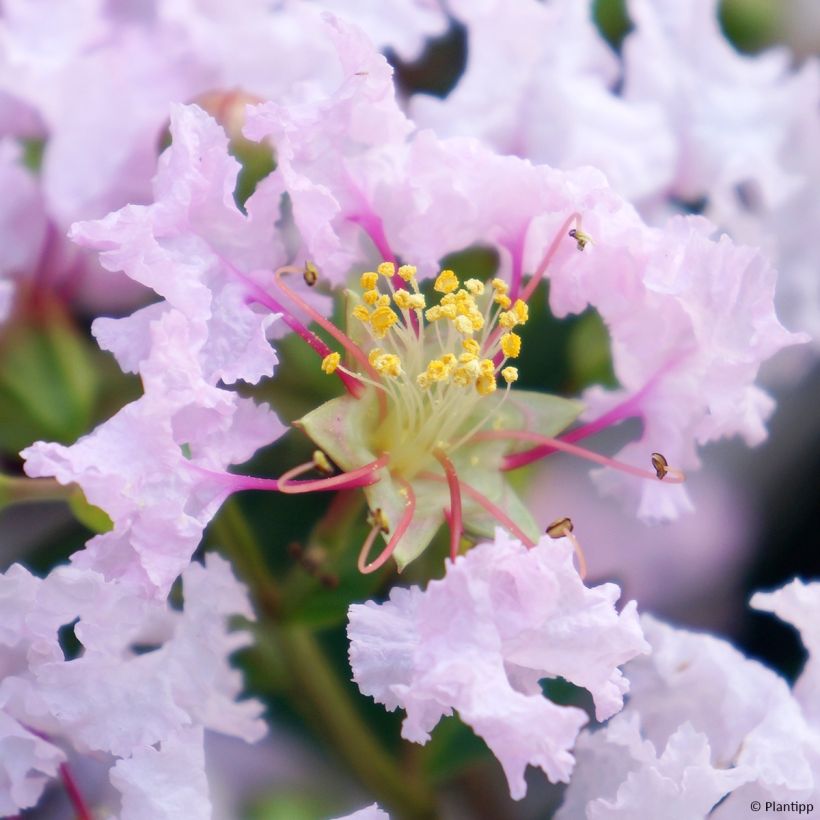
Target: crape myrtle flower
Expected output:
[368,194]
[479,641]
[540,82]
[147,681]
[705,725]
[151,467]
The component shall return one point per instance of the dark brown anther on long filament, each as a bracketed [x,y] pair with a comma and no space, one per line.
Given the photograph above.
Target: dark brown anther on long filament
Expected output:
[562,528]
[322,463]
[660,464]
[581,239]
[377,518]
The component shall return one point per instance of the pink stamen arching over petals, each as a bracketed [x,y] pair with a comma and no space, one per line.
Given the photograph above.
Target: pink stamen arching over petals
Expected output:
[454,517]
[343,339]
[537,276]
[373,226]
[495,512]
[574,450]
[81,810]
[360,477]
[404,523]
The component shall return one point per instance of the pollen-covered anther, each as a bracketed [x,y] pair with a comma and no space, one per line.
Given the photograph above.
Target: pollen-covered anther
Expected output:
[369,280]
[407,272]
[510,374]
[371,296]
[511,345]
[521,311]
[475,286]
[362,313]
[463,325]
[388,364]
[662,468]
[387,269]
[330,363]
[581,239]
[438,370]
[322,463]
[408,301]
[485,383]
[446,282]
[310,274]
[382,319]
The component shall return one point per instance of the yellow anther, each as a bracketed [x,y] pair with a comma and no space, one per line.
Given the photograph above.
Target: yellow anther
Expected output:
[371,296]
[485,384]
[446,282]
[437,371]
[475,286]
[330,363]
[486,366]
[448,299]
[510,374]
[402,298]
[368,280]
[321,462]
[521,311]
[511,345]
[407,272]
[507,319]
[382,319]
[373,356]
[463,325]
[581,239]
[417,301]
[476,319]
[389,364]
[423,381]
[362,313]
[449,311]
[310,274]
[387,269]
[383,300]
[433,314]
[499,285]
[449,360]
[466,373]
[503,300]
[471,346]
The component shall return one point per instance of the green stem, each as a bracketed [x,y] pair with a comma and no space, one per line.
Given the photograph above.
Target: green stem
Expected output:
[314,685]
[15,490]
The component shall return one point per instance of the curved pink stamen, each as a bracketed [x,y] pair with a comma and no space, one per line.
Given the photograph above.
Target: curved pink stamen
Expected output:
[337,334]
[455,517]
[488,505]
[360,477]
[574,450]
[75,796]
[551,251]
[404,523]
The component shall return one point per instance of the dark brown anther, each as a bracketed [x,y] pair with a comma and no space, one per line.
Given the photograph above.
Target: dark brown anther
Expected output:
[378,519]
[322,463]
[310,274]
[560,527]
[660,464]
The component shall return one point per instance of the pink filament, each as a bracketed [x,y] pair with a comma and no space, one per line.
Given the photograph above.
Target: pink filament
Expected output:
[455,516]
[360,477]
[404,523]
[572,449]
[81,810]
[541,269]
[488,505]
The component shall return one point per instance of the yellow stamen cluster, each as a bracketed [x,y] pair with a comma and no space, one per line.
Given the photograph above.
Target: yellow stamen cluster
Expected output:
[435,362]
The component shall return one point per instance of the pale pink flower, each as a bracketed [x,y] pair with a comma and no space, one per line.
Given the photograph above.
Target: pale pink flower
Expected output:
[748,737]
[539,83]
[798,604]
[480,640]
[147,675]
[155,467]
